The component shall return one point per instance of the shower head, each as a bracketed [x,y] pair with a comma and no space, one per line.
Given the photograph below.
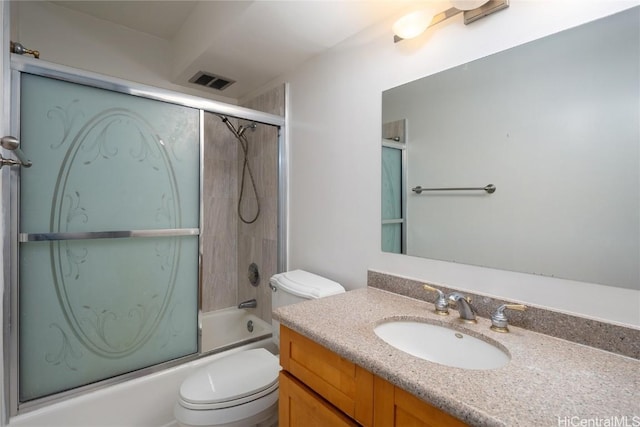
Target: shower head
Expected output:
[242,129]
[238,132]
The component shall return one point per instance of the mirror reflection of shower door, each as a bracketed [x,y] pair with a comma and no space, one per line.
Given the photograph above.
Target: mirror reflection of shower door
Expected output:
[109,235]
[393,218]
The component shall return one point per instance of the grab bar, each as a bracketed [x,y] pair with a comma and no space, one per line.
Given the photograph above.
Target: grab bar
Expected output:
[11,143]
[488,188]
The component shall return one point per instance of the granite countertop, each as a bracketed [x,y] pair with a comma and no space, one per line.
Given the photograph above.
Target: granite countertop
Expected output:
[548,382]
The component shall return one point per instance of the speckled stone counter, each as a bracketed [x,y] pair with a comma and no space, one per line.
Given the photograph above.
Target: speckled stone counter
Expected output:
[548,382]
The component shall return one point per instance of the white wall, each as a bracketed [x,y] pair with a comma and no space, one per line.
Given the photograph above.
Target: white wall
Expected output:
[335,118]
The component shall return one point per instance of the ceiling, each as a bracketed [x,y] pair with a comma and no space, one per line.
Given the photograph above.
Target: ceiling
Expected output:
[251,42]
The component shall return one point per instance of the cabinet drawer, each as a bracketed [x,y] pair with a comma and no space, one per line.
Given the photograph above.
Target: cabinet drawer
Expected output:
[300,407]
[396,407]
[342,383]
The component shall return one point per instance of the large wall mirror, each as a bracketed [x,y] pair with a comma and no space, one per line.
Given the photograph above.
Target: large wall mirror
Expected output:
[554,125]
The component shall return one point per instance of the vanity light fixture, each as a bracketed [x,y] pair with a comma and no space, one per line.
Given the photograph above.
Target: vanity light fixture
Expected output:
[468,4]
[415,23]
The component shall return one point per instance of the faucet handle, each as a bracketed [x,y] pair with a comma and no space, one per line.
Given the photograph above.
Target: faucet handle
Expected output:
[441,303]
[499,321]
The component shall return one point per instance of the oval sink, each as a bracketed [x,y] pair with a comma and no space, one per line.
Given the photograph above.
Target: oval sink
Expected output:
[441,345]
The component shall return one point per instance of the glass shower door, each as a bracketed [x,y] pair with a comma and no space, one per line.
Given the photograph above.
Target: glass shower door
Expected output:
[109,225]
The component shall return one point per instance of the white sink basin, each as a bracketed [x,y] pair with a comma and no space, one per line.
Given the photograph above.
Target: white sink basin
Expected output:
[441,345]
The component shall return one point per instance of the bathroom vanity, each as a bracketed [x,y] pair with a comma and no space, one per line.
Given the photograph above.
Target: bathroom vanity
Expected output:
[319,387]
[337,372]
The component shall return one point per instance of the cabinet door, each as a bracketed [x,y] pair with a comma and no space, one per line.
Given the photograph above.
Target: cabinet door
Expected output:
[395,407]
[342,383]
[300,407]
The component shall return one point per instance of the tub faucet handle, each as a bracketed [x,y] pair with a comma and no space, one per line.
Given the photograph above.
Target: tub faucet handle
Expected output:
[499,321]
[441,303]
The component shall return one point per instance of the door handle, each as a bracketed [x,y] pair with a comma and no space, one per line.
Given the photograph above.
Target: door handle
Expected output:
[11,143]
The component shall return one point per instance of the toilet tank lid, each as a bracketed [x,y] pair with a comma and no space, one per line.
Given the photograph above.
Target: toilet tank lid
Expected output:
[306,285]
[231,378]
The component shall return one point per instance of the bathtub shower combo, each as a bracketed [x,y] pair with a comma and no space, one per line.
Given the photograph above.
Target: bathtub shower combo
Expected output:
[104,233]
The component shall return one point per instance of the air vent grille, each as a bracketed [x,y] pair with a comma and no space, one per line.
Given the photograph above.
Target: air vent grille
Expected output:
[211,80]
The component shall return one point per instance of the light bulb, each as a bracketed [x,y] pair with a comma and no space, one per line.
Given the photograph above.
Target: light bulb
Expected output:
[413,24]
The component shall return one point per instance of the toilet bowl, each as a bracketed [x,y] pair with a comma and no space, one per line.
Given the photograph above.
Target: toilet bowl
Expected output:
[241,390]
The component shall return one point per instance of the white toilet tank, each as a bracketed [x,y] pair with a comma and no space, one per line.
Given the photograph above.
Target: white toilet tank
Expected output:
[296,286]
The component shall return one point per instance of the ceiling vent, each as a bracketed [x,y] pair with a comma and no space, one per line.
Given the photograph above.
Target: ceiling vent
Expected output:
[211,80]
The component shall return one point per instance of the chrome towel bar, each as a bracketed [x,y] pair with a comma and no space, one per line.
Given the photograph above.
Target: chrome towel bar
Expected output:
[488,188]
[83,235]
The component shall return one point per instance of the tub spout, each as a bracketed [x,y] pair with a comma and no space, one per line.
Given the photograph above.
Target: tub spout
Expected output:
[252,303]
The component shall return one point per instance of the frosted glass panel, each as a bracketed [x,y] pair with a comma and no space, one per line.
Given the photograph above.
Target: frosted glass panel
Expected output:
[105,160]
[92,309]
[392,199]
[392,238]
[391,183]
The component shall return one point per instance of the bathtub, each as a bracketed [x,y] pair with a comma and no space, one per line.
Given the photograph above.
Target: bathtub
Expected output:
[228,327]
[148,401]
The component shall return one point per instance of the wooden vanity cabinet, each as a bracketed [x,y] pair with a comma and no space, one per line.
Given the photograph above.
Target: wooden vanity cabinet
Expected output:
[300,406]
[396,407]
[343,384]
[320,388]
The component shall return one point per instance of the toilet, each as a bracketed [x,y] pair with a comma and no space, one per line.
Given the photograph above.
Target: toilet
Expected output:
[241,390]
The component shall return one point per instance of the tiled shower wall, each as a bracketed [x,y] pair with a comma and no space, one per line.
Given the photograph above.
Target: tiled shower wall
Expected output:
[229,245]
[258,242]
[219,225]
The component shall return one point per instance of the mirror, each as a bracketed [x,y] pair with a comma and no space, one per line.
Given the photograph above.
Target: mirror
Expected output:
[554,125]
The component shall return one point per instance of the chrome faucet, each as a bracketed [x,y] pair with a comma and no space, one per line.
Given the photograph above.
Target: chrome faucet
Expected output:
[252,303]
[466,310]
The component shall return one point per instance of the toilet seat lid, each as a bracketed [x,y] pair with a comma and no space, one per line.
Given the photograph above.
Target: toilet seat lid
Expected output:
[231,378]
[306,285]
